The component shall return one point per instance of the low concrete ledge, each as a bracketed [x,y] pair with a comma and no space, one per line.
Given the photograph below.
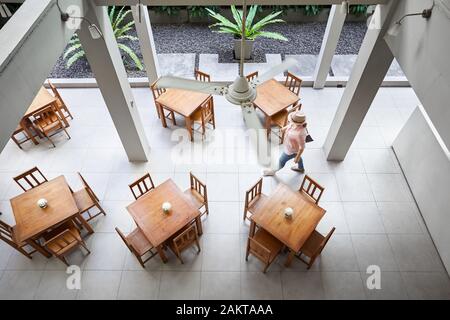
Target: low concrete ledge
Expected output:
[143,82]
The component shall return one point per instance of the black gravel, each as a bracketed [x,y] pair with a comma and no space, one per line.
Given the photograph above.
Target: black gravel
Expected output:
[304,38]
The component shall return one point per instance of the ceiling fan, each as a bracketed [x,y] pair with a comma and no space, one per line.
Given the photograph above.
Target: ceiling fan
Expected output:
[240,92]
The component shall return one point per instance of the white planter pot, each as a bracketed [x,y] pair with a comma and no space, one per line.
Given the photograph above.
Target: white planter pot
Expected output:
[248,48]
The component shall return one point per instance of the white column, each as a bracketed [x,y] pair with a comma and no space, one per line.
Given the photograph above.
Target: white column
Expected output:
[146,41]
[330,40]
[106,62]
[371,66]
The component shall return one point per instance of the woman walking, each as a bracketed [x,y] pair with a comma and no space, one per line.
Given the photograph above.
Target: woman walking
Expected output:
[295,133]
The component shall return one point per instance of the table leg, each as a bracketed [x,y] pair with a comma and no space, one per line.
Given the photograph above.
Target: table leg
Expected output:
[162,254]
[289,258]
[198,222]
[39,248]
[161,115]
[252,229]
[28,132]
[189,128]
[85,223]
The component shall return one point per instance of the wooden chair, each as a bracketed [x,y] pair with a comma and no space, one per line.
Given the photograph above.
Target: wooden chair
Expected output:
[201,76]
[159,108]
[48,123]
[293,83]
[198,194]
[311,189]
[254,199]
[183,240]
[86,199]
[7,235]
[203,116]
[63,239]
[280,120]
[143,185]
[26,137]
[264,246]
[30,179]
[314,246]
[252,76]
[138,244]
[60,102]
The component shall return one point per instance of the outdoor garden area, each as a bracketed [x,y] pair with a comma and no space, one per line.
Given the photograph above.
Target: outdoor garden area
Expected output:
[193,37]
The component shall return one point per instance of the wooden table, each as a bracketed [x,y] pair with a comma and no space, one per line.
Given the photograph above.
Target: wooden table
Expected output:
[158,226]
[42,100]
[292,232]
[32,221]
[273,97]
[183,102]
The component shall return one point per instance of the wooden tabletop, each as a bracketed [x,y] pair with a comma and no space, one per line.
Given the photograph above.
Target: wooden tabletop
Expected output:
[32,220]
[156,225]
[42,100]
[183,102]
[295,231]
[272,97]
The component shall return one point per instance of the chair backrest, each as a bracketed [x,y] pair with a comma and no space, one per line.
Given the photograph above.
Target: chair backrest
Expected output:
[61,241]
[198,186]
[252,76]
[201,76]
[258,250]
[323,243]
[311,188]
[142,186]
[88,188]
[186,238]
[253,193]
[293,83]
[6,234]
[55,92]
[156,91]
[47,117]
[30,179]
[207,109]
[124,238]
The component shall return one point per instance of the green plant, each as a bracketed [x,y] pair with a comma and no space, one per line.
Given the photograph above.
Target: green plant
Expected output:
[200,11]
[168,10]
[358,9]
[252,30]
[312,10]
[284,9]
[121,31]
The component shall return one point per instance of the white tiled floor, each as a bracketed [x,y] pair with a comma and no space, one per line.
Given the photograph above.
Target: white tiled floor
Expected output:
[366,197]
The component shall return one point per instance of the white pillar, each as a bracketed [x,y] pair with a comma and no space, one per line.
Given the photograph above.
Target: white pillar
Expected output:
[146,41]
[106,62]
[371,66]
[330,40]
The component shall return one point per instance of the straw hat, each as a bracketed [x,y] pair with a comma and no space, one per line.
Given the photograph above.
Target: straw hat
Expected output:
[297,117]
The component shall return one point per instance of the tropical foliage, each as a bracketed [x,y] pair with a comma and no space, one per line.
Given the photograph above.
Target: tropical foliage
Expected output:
[358,9]
[252,30]
[121,30]
[312,10]
[200,11]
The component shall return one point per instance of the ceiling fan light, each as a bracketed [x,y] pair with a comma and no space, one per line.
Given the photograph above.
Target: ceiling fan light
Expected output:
[240,92]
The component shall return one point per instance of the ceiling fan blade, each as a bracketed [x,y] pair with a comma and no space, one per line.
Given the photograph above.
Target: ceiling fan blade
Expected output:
[276,70]
[216,88]
[258,137]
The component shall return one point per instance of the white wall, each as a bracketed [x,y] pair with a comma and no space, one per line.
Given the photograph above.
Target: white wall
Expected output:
[422,49]
[426,164]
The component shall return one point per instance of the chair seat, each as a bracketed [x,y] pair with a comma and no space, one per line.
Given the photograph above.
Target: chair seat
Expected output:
[139,242]
[197,115]
[64,242]
[312,244]
[279,119]
[257,203]
[83,200]
[195,197]
[269,242]
[48,127]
